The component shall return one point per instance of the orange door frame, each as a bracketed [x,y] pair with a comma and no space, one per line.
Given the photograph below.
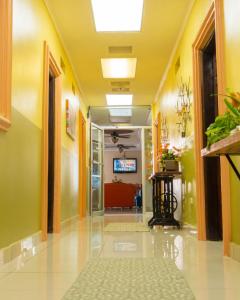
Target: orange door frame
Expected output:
[5,63]
[213,21]
[51,65]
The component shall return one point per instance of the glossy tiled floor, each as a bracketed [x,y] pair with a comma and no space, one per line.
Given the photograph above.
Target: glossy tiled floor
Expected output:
[48,271]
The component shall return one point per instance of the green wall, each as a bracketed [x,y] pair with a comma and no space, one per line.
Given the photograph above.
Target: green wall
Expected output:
[235,204]
[189,203]
[20,180]
[69,207]
[232,63]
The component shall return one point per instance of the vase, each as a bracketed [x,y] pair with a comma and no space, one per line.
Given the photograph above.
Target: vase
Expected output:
[171,165]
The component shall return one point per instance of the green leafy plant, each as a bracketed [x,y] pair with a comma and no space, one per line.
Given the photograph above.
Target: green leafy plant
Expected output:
[168,155]
[224,124]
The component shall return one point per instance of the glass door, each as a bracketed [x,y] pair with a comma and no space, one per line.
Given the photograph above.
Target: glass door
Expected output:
[147,170]
[97,207]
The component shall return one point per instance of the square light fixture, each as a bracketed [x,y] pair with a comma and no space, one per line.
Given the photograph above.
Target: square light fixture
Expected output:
[119,99]
[118,67]
[117,15]
[120,112]
[120,120]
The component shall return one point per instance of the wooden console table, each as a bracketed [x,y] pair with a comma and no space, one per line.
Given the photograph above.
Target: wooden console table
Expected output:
[164,201]
[228,146]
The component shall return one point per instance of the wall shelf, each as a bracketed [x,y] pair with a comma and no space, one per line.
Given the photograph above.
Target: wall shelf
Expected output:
[228,146]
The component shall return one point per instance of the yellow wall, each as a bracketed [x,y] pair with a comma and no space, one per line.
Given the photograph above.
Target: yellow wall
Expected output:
[166,104]
[20,147]
[31,26]
[166,101]
[232,63]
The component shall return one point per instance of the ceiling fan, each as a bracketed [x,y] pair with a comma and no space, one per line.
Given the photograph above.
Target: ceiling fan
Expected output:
[116,134]
[120,147]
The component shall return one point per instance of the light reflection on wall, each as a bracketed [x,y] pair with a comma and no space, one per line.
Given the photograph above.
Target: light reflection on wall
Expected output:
[75,174]
[74,157]
[24,24]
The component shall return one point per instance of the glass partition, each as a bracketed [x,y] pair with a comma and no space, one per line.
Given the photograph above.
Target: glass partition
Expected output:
[96,169]
[148,168]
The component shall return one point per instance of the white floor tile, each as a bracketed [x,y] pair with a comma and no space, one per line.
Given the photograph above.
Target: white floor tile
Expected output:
[51,271]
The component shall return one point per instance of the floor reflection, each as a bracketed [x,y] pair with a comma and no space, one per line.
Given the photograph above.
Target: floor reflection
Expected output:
[48,270]
[167,245]
[96,236]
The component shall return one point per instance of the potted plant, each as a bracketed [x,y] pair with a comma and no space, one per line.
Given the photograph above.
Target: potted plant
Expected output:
[226,123]
[169,160]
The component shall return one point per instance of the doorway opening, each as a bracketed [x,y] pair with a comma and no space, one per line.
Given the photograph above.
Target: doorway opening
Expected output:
[211,166]
[51,143]
[212,24]
[121,137]
[51,151]
[122,171]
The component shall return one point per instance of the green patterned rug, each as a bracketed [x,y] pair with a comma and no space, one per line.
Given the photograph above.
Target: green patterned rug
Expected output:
[130,227]
[130,279]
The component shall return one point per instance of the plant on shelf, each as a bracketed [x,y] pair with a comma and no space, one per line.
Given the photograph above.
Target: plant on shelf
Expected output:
[168,155]
[169,159]
[225,123]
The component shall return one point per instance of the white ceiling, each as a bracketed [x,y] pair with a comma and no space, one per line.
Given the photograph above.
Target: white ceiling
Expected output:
[141,116]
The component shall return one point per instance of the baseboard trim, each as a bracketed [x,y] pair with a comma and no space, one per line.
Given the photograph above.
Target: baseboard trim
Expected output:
[20,247]
[235,251]
[27,246]
[148,214]
[189,226]
[68,222]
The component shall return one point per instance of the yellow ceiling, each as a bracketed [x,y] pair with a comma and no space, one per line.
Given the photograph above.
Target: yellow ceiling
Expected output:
[162,22]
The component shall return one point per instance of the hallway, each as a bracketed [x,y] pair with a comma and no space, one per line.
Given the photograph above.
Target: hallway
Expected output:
[48,271]
[112,111]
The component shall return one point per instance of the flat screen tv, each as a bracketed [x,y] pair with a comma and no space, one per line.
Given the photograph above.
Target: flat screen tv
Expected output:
[124,165]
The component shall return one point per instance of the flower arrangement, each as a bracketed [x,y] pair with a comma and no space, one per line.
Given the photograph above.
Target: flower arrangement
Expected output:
[168,155]
[169,158]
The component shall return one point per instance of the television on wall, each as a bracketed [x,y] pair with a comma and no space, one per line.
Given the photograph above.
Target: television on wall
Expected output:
[124,165]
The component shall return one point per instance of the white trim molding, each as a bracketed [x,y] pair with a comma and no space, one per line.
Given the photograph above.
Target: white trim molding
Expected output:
[25,247]
[68,222]
[31,245]
[235,251]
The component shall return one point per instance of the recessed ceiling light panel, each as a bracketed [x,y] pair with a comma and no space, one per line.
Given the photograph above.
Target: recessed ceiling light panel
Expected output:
[120,120]
[119,99]
[117,15]
[120,112]
[118,67]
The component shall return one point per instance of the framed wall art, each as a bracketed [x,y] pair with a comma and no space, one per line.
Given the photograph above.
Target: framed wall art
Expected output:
[71,119]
